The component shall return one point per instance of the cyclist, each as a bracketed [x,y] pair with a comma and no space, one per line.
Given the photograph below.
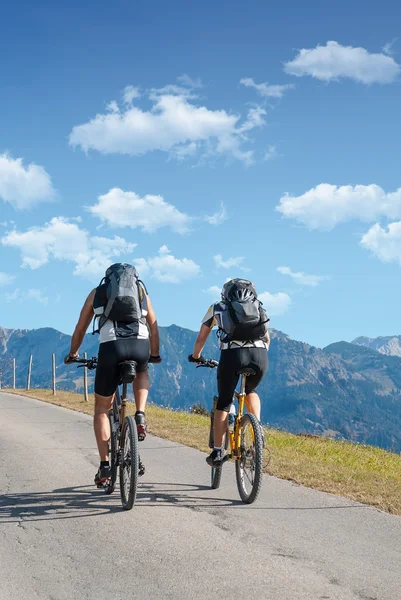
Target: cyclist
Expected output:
[235,353]
[119,340]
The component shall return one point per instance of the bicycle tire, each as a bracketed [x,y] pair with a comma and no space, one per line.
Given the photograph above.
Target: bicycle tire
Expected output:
[249,420]
[217,471]
[111,484]
[129,463]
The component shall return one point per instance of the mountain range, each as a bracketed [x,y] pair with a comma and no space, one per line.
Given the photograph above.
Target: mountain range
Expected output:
[348,391]
[390,345]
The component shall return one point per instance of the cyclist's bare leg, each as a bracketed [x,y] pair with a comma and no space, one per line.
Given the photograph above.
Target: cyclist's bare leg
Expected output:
[101,424]
[141,389]
[252,402]
[219,427]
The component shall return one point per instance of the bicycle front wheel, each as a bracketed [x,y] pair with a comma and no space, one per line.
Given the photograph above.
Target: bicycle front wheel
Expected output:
[249,465]
[129,463]
[111,484]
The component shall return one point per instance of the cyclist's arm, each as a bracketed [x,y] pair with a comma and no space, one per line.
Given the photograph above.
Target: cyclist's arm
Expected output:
[83,323]
[201,340]
[267,339]
[153,328]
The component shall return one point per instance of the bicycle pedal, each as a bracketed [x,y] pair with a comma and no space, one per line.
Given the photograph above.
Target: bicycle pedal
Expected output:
[141,470]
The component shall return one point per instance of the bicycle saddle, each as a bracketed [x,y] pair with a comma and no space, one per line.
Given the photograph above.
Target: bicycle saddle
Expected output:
[246,371]
[127,371]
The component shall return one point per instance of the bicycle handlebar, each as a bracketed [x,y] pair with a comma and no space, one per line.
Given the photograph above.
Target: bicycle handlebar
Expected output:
[89,363]
[207,362]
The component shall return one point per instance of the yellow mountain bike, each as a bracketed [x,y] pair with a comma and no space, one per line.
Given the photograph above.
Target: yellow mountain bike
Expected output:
[245,441]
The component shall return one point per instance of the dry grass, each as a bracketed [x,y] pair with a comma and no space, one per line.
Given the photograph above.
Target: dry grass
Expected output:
[363,473]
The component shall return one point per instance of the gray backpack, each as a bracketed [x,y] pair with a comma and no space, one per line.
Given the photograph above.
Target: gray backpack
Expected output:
[243,317]
[119,295]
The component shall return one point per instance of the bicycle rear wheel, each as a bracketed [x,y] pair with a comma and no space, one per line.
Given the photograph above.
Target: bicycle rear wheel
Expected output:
[129,463]
[111,484]
[249,465]
[217,471]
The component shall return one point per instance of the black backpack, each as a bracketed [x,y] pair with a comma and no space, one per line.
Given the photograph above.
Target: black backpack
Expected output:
[119,295]
[243,317]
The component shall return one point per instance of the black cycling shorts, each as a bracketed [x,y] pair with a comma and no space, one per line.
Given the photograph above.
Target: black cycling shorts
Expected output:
[113,353]
[231,361]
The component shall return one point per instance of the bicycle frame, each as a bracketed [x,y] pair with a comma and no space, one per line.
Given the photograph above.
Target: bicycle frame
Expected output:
[235,436]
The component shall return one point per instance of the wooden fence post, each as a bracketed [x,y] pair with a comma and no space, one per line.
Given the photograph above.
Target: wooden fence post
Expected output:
[28,380]
[85,382]
[54,374]
[14,368]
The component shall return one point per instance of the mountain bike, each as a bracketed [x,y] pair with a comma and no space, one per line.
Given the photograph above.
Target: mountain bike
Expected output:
[123,445]
[246,442]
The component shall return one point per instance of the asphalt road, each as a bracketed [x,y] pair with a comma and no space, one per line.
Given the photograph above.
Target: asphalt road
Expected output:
[61,538]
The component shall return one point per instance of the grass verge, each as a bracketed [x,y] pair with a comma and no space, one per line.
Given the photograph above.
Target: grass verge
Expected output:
[363,473]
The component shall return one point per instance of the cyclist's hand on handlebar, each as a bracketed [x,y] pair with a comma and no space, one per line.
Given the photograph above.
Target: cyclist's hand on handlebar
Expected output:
[70,358]
[156,360]
[198,360]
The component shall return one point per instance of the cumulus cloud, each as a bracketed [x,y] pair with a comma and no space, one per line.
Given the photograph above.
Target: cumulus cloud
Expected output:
[302,278]
[325,206]
[118,208]
[62,239]
[266,90]
[229,263]
[6,279]
[166,268]
[334,61]
[176,123]
[218,217]
[384,242]
[275,304]
[23,187]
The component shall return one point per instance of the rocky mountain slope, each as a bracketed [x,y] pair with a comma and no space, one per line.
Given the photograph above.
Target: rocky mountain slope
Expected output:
[390,345]
[344,391]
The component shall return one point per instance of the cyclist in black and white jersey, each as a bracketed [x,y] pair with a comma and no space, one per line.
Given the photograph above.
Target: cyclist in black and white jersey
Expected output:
[235,355]
[118,341]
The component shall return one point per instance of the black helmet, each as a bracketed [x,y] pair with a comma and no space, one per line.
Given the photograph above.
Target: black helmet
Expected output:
[238,289]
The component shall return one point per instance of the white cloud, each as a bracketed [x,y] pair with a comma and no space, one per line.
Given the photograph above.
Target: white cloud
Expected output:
[275,304]
[302,278]
[38,296]
[174,124]
[229,263]
[271,153]
[325,206]
[266,90]
[126,209]
[23,187]
[6,279]
[254,119]
[384,243]
[388,48]
[63,240]
[166,268]
[130,94]
[218,217]
[113,107]
[215,291]
[32,294]
[335,61]
[187,81]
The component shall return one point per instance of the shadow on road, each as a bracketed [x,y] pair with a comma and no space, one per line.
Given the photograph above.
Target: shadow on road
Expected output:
[87,501]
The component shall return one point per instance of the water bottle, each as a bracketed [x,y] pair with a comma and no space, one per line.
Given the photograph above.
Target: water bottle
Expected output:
[231,418]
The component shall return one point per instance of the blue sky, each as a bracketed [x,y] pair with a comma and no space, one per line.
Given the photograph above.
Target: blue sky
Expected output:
[203,142]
